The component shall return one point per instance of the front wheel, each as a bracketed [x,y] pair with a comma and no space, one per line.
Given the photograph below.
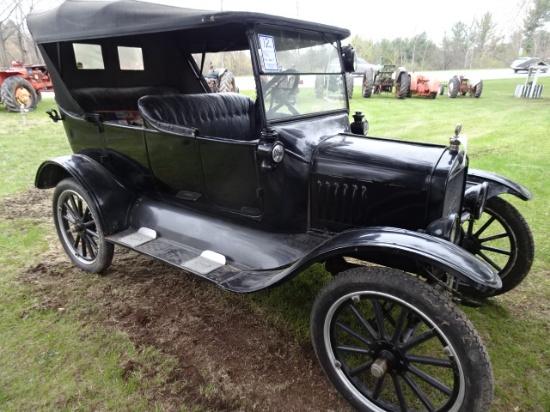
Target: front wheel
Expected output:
[453,87]
[478,89]
[349,85]
[368,83]
[389,342]
[78,228]
[501,238]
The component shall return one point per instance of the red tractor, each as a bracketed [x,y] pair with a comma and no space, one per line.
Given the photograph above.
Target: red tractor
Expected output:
[460,85]
[21,85]
[424,86]
[403,83]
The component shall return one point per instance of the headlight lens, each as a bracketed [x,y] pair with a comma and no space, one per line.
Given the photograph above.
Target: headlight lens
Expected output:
[278,153]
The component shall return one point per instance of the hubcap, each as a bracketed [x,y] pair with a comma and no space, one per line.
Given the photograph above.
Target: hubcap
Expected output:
[23,96]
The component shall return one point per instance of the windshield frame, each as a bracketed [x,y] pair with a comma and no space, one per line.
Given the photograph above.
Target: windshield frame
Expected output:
[259,72]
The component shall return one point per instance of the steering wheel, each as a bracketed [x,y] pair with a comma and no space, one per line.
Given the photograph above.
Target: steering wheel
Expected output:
[283,90]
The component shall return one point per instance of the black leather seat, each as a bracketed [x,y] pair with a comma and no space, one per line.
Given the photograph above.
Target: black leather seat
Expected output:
[225,115]
[94,99]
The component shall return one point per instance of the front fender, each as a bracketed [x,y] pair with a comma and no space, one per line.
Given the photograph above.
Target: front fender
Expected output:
[497,184]
[111,197]
[382,241]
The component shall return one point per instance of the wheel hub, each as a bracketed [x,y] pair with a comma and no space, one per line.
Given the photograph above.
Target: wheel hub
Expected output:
[23,96]
[383,363]
[387,357]
[471,244]
[78,227]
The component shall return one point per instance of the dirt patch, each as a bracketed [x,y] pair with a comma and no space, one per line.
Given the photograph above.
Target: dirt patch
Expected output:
[231,356]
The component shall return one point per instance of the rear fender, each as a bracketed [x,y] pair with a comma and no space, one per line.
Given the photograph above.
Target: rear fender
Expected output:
[111,197]
[382,243]
[497,184]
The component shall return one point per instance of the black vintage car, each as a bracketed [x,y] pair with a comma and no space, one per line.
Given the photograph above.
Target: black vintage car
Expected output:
[247,192]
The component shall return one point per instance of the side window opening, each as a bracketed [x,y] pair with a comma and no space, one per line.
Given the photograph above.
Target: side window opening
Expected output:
[130,58]
[88,56]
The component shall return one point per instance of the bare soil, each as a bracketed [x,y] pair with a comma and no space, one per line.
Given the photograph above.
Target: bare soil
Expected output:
[231,355]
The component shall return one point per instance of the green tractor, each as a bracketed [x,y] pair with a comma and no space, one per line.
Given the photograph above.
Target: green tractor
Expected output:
[385,79]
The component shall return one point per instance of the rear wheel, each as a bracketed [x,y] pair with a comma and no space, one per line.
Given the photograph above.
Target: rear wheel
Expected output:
[368,83]
[319,87]
[227,82]
[390,342]
[78,228]
[453,87]
[17,93]
[404,85]
[502,238]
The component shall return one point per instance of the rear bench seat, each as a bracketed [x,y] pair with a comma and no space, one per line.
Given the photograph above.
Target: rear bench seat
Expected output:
[226,115]
[116,103]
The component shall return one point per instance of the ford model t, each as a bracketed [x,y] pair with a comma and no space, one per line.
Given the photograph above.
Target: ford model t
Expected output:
[248,192]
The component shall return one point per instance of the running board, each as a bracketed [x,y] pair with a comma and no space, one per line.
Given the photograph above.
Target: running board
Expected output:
[206,264]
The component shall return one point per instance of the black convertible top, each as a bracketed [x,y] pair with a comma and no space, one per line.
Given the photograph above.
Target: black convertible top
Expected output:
[93,19]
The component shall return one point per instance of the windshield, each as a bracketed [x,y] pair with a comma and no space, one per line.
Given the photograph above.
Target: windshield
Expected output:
[301,73]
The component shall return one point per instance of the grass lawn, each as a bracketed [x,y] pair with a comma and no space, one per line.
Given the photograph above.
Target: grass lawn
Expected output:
[51,360]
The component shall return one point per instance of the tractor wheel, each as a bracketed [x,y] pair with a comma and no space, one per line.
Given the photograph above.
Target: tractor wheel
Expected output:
[16,92]
[453,87]
[349,85]
[319,86]
[478,89]
[404,85]
[227,82]
[441,89]
[368,83]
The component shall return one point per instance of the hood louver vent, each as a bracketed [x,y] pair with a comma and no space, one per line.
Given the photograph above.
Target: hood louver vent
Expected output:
[340,203]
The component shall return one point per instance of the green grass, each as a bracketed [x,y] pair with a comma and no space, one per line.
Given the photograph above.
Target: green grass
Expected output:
[51,359]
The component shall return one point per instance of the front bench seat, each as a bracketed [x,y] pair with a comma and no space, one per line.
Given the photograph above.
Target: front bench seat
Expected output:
[225,115]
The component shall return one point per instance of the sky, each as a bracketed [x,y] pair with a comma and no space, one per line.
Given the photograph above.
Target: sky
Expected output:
[373,19]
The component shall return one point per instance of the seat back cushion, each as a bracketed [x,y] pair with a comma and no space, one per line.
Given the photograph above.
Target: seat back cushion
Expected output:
[226,115]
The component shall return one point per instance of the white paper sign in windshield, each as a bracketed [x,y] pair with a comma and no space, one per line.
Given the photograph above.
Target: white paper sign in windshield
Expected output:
[269,54]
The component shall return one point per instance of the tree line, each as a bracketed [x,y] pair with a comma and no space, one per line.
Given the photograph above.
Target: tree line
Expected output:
[477,44]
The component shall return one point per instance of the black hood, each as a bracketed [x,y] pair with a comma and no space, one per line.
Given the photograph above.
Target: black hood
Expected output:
[365,181]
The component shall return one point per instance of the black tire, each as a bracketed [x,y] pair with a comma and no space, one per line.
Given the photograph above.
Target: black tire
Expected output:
[319,86]
[478,89]
[453,87]
[349,85]
[378,333]
[502,238]
[78,229]
[227,83]
[441,89]
[404,85]
[17,91]
[368,83]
